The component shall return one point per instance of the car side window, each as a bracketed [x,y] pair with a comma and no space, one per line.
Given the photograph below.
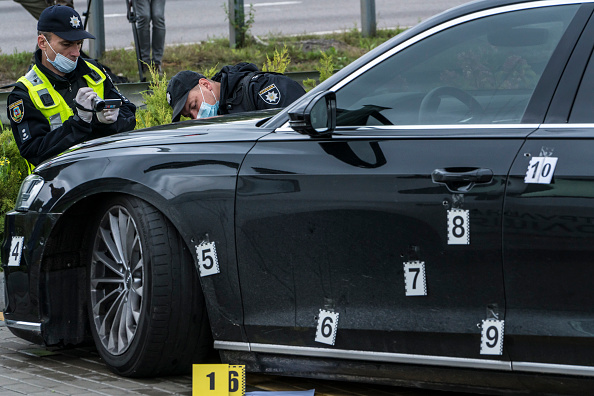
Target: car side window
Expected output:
[479,72]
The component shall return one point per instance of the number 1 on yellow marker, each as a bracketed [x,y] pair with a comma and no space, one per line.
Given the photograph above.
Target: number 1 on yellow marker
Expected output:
[210,380]
[218,380]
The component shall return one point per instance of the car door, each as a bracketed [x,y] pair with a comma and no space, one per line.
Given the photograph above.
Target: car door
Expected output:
[549,230]
[383,241]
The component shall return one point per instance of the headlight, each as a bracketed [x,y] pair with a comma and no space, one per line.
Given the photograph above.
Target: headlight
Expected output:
[28,192]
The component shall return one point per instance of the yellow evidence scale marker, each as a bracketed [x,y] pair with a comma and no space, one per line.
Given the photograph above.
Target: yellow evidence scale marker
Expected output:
[218,380]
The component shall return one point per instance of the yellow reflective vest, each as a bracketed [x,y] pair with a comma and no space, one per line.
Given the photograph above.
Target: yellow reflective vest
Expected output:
[47,100]
[51,104]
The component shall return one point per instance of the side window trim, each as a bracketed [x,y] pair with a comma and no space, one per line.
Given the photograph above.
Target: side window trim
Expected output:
[543,94]
[578,110]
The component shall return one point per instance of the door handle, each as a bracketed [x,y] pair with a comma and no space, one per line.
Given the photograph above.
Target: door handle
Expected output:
[461,179]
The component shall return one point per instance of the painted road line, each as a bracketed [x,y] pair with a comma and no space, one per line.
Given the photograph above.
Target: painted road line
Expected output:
[276,4]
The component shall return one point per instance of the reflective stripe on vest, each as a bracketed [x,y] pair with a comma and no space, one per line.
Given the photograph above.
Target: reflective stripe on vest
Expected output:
[47,100]
[30,167]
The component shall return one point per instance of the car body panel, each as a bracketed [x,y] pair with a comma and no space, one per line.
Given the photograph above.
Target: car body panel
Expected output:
[547,240]
[330,225]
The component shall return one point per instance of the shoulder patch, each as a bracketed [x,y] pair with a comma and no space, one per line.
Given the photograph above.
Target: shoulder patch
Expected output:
[17,111]
[270,94]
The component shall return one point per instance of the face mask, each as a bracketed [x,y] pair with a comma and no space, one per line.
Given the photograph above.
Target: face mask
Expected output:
[61,62]
[207,110]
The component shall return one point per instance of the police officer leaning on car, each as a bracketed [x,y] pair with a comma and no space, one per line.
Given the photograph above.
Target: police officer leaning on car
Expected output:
[51,107]
[234,89]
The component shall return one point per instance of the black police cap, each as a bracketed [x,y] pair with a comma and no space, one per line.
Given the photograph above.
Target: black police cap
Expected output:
[178,89]
[64,22]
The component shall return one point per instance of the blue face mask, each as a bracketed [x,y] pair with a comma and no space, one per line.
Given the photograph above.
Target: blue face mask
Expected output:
[61,63]
[207,110]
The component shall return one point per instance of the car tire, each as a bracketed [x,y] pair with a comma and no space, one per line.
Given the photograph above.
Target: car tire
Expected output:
[146,308]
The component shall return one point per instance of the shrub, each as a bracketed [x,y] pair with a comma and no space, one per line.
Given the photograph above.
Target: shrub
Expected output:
[157,111]
[279,61]
[325,67]
[13,169]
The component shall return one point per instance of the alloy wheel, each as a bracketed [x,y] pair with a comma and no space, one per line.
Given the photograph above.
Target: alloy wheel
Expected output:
[117,277]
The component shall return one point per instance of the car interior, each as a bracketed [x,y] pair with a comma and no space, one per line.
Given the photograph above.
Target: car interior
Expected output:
[480,72]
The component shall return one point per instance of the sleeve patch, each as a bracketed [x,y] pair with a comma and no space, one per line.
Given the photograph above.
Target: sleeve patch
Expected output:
[24,133]
[270,95]
[17,111]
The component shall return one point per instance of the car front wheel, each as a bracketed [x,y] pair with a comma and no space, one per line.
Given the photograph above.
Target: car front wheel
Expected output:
[146,308]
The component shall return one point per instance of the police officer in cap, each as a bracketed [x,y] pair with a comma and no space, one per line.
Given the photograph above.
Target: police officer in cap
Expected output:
[234,89]
[52,107]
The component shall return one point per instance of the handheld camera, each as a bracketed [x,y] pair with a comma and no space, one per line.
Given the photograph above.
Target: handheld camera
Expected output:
[102,104]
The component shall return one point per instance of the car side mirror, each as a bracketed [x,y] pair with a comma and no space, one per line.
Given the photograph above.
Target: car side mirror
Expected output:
[316,117]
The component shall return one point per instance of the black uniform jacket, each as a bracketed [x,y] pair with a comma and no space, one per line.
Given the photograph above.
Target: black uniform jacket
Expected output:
[34,137]
[261,90]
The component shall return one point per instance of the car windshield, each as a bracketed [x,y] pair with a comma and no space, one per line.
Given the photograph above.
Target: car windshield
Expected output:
[480,72]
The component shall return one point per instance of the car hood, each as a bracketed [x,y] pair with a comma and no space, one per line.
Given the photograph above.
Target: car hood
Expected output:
[232,127]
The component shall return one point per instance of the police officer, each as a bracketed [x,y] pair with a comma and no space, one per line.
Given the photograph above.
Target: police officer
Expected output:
[234,89]
[51,107]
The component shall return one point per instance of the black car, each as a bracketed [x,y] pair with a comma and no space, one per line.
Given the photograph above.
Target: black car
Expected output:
[424,217]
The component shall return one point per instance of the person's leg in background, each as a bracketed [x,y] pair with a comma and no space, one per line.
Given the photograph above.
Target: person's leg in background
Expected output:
[143,26]
[158,18]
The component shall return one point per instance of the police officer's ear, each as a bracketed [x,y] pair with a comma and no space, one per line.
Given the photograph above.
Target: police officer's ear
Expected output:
[42,43]
[210,86]
[205,83]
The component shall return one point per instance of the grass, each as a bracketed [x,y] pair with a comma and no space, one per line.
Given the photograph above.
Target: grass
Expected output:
[304,51]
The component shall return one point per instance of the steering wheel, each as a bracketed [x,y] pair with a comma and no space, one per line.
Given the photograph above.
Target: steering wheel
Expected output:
[432,99]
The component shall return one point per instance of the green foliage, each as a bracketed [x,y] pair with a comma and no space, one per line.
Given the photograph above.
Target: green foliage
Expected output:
[211,71]
[326,66]
[279,61]
[13,66]
[336,59]
[353,37]
[309,84]
[13,169]
[157,111]
[122,62]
